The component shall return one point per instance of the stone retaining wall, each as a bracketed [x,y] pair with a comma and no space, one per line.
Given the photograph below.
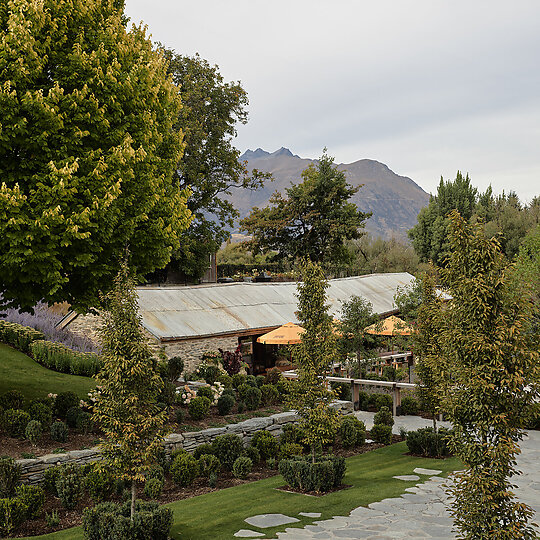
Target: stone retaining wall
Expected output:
[32,469]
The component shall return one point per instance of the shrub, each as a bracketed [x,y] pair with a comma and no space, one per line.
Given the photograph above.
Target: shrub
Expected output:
[168,393]
[153,488]
[15,422]
[265,443]
[13,399]
[175,367]
[50,476]
[238,379]
[41,412]
[205,391]
[532,419]
[243,389]
[84,422]
[33,431]
[383,400]
[179,416]
[208,464]
[241,407]
[363,401]
[211,373]
[253,453]
[99,482]
[227,448]
[184,469]
[63,402]
[198,407]
[58,357]
[177,452]
[52,520]
[155,471]
[342,390]
[260,380]
[291,434]
[384,416]
[71,416]
[352,432]
[12,514]
[69,485]
[59,431]
[111,521]
[212,480]
[325,474]
[225,404]
[17,335]
[205,448]
[269,394]
[10,474]
[284,387]
[253,398]
[252,381]
[225,380]
[229,392]
[381,433]
[426,442]
[271,463]
[242,466]
[409,405]
[32,497]
[273,376]
[290,449]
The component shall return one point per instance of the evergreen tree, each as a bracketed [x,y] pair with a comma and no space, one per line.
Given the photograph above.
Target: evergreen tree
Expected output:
[129,384]
[87,151]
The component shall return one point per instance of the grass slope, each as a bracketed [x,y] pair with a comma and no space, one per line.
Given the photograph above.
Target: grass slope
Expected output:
[19,372]
[220,514]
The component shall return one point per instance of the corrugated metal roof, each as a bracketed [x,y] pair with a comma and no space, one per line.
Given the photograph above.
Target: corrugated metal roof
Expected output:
[228,308]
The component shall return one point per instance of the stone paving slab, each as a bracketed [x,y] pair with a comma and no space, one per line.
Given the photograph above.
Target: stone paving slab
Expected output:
[407,477]
[310,514]
[427,472]
[246,533]
[265,521]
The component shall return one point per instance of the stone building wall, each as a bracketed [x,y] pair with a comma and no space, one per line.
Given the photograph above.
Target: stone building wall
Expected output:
[33,469]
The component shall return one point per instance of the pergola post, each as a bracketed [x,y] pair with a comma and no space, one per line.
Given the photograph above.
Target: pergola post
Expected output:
[355,392]
[396,401]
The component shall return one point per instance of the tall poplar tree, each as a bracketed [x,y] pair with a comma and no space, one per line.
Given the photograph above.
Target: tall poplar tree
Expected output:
[87,151]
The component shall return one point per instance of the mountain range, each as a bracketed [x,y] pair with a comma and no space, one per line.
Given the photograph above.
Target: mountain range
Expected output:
[394,200]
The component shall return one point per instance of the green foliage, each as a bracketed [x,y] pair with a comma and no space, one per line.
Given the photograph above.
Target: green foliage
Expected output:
[341,390]
[32,498]
[126,408]
[15,422]
[63,402]
[153,488]
[179,416]
[242,466]
[175,367]
[407,300]
[252,397]
[205,448]
[210,167]
[313,221]
[205,391]
[99,482]
[12,514]
[208,465]
[238,379]
[87,153]
[71,416]
[251,380]
[225,380]
[381,400]
[291,434]
[84,422]
[33,431]
[384,416]
[69,485]
[227,448]
[60,358]
[40,412]
[253,453]
[352,432]
[18,336]
[313,355]
[111,521]
[13,399]
[290,449]
[260,380]
[59,431]
[381,433]
[225,404]
[428,443]
[269,394]
[273,376]
[10,474]
[266,444]
[198,407]
[321,475]
[50,476]
[184,469]
[409,405]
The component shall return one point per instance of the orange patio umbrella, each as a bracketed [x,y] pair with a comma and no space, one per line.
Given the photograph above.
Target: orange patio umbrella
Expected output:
[391,326]
[288,334]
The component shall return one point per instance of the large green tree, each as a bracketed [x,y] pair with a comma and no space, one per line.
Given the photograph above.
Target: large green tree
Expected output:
[313,220]
[210,166]
[494,363]
[87,151]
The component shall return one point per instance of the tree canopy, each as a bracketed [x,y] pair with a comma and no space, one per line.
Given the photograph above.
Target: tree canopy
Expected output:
[87,152]
[313,220]
[210,167]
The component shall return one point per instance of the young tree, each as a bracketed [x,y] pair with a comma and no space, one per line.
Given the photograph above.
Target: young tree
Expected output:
[495,371]
[126,406]
[87,152]
[313,356]
[314,220]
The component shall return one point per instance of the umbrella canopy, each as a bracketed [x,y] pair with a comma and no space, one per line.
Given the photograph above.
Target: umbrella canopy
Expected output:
[288,334]
[391,326]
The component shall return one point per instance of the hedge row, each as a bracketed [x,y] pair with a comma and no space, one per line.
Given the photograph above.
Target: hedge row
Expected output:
[60,358]
[18,336]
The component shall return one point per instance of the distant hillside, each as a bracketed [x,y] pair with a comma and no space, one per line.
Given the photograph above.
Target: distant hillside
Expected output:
[394,200]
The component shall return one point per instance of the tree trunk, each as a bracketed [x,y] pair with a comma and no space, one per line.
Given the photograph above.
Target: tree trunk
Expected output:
[313,454]
[434,422]
[133,497]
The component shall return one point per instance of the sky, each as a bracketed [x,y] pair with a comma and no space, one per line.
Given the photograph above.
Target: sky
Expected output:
[427,87]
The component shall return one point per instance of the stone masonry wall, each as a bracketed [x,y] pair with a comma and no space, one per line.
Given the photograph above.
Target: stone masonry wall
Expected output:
[32,469]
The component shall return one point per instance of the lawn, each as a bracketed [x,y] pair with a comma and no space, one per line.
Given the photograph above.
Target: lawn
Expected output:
[220,514]
[19,372]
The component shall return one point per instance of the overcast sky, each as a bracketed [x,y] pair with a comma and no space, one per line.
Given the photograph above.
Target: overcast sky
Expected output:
[425,86]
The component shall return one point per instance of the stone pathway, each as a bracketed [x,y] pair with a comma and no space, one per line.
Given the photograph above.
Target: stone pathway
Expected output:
[421,511]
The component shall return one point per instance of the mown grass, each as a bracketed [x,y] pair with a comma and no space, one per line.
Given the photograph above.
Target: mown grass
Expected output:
[20,372]
[220,514]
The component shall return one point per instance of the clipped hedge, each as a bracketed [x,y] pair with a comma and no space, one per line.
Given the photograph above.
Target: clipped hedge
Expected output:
[19,336]
[426,442]
[60,358]
[324,475]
